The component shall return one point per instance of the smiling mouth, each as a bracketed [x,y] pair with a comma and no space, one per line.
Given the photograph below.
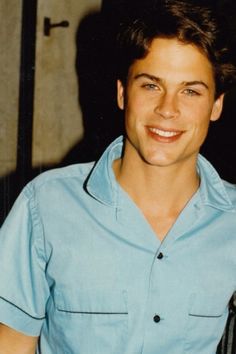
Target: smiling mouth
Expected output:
[164,133]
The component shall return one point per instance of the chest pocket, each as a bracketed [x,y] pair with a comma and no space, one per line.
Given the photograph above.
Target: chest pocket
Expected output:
[92,321]
[206,321]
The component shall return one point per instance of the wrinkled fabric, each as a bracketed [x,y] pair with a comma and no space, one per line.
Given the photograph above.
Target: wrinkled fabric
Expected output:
[81,267]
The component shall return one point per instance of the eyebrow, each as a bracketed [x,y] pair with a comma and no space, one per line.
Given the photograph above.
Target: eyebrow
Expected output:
[159,80]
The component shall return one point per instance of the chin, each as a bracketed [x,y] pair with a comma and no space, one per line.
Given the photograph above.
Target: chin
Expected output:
[157,161]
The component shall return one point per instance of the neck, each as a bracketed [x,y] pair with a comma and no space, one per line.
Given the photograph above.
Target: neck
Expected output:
[163,189]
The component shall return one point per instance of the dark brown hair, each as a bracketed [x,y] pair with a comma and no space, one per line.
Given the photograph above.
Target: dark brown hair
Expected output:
[188,21]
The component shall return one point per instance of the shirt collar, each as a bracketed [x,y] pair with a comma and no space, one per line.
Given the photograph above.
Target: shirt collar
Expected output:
[212,189]
[102,184]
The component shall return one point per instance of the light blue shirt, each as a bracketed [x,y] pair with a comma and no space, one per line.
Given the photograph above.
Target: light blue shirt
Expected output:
[81,267]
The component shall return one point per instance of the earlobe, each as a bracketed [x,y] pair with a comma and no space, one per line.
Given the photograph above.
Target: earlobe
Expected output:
[217,108]
[120,94]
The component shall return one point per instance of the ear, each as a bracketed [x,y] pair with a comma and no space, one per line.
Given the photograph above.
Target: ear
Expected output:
[217,108]
[120,95]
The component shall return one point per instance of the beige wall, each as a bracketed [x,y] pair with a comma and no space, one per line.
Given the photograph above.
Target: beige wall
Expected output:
[57,121]
[57,116]
[10,27]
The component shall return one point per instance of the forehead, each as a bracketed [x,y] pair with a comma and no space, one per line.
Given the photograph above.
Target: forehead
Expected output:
[173,59]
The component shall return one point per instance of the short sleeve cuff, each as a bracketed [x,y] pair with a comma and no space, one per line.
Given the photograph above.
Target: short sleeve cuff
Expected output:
[16,318]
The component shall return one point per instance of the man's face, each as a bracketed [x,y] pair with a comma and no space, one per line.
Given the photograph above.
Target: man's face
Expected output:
[169,102]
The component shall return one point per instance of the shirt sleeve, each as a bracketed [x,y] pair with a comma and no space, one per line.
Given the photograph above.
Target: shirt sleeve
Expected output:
[23,286]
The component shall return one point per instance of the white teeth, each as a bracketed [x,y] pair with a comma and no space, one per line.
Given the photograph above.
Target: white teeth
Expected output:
[166,134]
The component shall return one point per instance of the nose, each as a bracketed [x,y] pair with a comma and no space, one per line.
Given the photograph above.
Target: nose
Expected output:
[167,106]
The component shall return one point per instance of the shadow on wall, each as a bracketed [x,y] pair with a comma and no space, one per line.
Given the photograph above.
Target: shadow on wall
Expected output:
[220,146]
[96,66]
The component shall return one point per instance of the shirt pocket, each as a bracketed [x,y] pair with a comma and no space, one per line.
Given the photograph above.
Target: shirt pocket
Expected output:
[207,316]
[92,321]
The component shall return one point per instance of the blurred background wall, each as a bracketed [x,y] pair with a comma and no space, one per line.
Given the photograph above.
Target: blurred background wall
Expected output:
[40,114]
[10,34]
[57,123]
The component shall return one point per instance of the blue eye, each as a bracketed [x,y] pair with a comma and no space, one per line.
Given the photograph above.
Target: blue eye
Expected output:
[191,92]
[150,87]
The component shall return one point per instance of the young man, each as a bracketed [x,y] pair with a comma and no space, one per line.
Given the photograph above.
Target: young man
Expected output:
[136,253]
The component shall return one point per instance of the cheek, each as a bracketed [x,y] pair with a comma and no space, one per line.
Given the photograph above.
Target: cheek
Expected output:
[140,101]
[135,110]
[200,130]
[136,104]
[197,114]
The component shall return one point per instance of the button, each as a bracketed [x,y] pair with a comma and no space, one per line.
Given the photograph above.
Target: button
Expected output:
[160,255]
[156,318]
